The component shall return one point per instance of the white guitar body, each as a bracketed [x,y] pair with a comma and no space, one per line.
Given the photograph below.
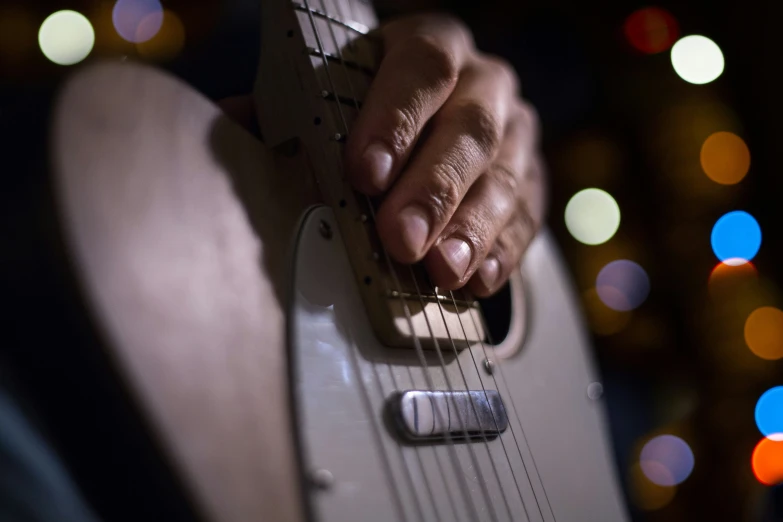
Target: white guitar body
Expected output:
[260,375]
[553,463]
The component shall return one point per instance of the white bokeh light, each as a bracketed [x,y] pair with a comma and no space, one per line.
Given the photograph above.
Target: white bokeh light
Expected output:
[66,37]
[592,216]
[697,59]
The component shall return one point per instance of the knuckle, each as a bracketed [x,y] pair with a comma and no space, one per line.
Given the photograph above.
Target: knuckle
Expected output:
[529,115]
[403,128]
[502,69]
[506,180]
[444,190]
[439,64]
[481,124]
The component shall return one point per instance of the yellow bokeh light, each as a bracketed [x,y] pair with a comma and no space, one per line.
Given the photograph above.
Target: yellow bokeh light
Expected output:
[645,494]
[592,216]
[697,59]
[725,158]
[66,37]
[168,42]
[764,332]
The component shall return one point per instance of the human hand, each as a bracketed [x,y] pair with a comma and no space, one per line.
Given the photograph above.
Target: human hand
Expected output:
[444,134]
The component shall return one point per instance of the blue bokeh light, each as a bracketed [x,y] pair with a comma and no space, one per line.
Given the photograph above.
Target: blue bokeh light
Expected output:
[769,412]
[666,460]
[736,235]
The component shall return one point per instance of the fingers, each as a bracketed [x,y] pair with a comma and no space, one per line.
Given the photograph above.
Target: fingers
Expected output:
[507,250]
[418,73]
[462,141]
[496,202]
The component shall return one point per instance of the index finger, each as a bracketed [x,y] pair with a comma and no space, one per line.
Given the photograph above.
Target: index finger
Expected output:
[424,55]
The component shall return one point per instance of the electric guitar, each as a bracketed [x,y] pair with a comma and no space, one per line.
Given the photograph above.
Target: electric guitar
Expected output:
[290,370]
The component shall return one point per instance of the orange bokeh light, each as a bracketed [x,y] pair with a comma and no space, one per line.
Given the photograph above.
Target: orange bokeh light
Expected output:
[728,276]
[767,461]
[651,30]
[764,332]
[725,158]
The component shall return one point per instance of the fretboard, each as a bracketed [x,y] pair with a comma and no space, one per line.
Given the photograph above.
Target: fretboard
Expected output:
[318,61]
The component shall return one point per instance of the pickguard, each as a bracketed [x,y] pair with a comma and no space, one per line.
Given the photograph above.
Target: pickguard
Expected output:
[552,464]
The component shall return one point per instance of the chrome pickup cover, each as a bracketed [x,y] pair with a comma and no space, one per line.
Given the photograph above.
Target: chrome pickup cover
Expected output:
[439,415]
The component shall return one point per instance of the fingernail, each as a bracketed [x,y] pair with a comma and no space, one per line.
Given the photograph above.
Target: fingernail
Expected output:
[415,229]
[488,272]
[456,253]
[378,162]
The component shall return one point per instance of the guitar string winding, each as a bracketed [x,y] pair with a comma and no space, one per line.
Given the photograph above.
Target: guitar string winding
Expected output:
[409,319]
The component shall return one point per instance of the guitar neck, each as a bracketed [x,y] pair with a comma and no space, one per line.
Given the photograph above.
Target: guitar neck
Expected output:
[318,59]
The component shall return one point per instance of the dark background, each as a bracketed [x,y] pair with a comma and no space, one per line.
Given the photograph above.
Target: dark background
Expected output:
[612,118]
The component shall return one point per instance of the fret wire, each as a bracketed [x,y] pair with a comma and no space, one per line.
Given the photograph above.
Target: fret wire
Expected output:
[407,473]
[348,63]
[511,426]
[351,25]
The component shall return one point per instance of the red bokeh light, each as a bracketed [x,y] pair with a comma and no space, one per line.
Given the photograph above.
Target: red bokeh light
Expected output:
[651,30]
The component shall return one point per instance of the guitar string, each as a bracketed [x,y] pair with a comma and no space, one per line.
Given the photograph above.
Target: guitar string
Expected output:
[465,433]
[429,326]
[338,4]
[482,431]
[413,277]
[522,429]
[492,412]
[369,203]
[406,470]
[416,451]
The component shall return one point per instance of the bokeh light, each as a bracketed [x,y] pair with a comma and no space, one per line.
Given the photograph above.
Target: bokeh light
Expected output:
[602,319]
[697,59]
[666,460]
[66,37]
[764,333]
[592,216]
[730,276]
[651,30]
[736,236]
[767,461]
[725,158]
[622,285]
[769,413]
[137,20]
[169,40]
[645,494]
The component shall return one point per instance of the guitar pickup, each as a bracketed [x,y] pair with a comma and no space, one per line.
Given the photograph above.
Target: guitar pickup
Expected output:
[442,415]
